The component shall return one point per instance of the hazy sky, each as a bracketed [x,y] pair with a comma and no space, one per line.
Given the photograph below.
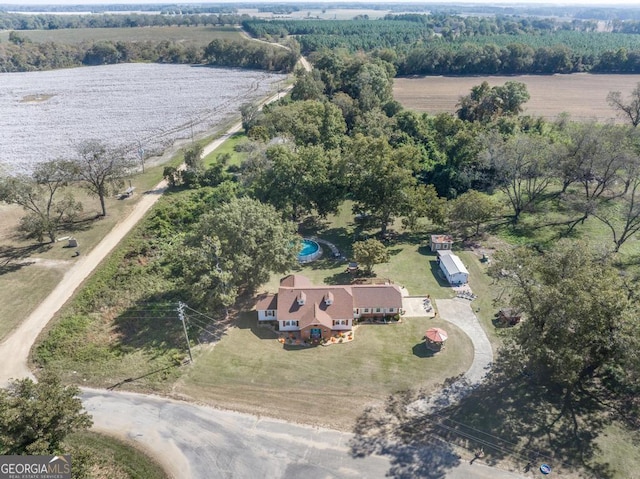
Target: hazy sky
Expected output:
[537,2]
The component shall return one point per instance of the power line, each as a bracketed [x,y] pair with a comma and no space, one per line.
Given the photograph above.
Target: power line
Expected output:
[184,327]
[200,313]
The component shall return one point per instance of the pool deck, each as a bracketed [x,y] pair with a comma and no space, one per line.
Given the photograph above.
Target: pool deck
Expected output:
[334,250]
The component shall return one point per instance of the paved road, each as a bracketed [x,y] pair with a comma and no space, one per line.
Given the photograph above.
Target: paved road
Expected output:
[196,442]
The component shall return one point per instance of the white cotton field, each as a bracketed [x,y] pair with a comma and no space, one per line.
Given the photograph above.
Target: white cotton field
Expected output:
[43,114]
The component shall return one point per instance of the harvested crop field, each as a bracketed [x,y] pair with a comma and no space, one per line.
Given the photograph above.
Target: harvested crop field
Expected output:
[582,95]
[134,105]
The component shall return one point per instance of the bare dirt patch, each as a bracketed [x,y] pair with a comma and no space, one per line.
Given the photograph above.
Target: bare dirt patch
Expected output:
[37,98]
[582,95]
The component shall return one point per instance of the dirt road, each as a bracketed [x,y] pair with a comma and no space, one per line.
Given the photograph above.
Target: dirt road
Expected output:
[14,350]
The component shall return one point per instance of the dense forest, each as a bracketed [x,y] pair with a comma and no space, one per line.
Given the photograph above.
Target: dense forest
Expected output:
[451,45]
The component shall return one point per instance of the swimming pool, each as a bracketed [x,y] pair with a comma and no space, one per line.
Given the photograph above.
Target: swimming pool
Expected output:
[310,251]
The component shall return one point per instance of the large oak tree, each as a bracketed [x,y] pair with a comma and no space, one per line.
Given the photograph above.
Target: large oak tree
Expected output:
[40,195]
[101,168]
[235,248]
[580,330]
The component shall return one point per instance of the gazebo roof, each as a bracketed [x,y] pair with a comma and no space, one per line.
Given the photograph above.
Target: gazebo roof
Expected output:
[436,335]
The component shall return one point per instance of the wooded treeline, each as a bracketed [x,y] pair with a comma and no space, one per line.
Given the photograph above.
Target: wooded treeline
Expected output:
[452,45]
[21,55]
[43,21]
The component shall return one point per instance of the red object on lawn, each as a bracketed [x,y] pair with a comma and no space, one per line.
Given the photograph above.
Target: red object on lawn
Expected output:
[436,335]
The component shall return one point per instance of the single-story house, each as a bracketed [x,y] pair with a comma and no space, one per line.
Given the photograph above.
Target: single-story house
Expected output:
[319,312]
[440,242]
[452,267]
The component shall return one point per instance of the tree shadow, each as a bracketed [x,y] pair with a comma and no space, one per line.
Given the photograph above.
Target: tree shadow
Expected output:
[151,324]
[411,237]
[509,416]
[412,453]
[81,224]
[343,277]
[249,320]
[422,351]
[14,258]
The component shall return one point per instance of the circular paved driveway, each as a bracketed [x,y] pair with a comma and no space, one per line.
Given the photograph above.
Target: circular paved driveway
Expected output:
[458,311]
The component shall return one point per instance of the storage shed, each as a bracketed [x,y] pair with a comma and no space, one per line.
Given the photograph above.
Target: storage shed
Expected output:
[452,267]
[441,242]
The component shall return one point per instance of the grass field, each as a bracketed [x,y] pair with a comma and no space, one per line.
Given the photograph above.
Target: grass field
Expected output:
[200,36]
[29,272]
[116,459]
[583,96]
[228,147]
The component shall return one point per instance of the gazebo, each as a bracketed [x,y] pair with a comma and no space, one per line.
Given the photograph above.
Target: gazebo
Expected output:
[435,338]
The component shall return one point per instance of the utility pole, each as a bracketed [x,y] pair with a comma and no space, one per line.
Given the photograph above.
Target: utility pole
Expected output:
[184,326]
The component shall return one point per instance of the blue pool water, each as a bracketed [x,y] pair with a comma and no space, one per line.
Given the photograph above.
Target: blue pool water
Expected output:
[309,248]
[310,251]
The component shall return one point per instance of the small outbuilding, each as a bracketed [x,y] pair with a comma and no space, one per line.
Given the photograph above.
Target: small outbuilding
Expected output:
[435,338]
[452,268]
[441,242]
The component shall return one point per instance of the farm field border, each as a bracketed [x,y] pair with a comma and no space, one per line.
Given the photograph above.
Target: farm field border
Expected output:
[583,96]
[131,105]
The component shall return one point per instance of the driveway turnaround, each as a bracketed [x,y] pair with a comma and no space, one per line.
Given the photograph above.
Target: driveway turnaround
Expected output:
[458,311]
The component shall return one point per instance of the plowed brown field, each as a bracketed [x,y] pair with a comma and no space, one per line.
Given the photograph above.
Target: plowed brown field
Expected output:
[582,95]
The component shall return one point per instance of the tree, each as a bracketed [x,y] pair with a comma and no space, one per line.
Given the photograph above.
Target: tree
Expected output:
[630,109]
[235,248]
[597,158]
[250,113]
[369,253]
[472,208]
[423,202]
[380,178]
[35,418]
[193,158]
[621,217]
[523,168]
[298,181]
[102,169]
[308,86]
[580,331]
[486,103]
[38,195]
[309,122]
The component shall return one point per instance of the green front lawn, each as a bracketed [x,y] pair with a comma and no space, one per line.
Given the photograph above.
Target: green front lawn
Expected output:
[250,370]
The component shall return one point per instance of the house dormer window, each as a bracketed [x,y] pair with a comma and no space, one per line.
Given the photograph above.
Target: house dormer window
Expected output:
[328,298]
[302,297]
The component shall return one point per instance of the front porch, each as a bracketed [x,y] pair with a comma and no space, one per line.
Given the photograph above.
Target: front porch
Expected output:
[299,338]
